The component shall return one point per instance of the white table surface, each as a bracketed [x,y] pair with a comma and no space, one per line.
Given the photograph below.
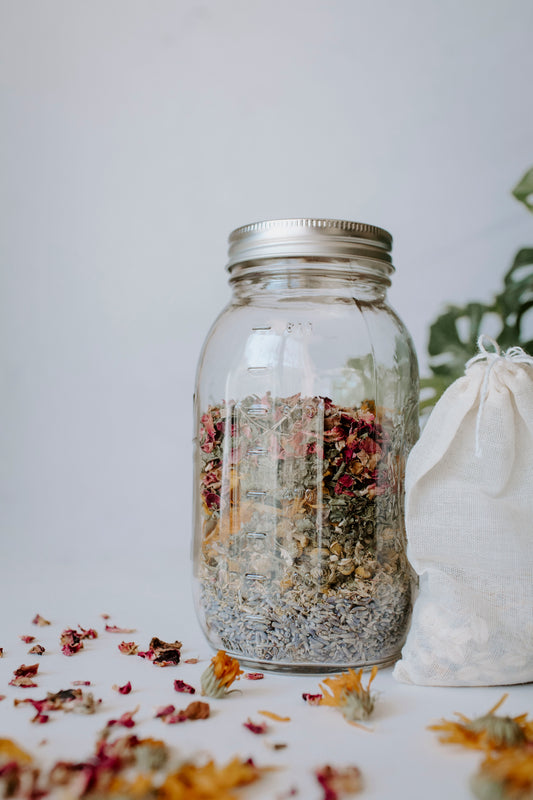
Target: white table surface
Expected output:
[151,592]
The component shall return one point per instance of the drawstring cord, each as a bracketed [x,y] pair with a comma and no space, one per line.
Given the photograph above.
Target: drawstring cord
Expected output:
[514,354]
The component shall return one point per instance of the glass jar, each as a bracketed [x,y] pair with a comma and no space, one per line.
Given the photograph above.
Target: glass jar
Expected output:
[306,407]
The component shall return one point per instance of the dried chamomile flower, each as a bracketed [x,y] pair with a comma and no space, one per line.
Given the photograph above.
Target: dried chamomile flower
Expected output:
[220,674]
[505,776]
[349,695]
[338,782]
[487,732]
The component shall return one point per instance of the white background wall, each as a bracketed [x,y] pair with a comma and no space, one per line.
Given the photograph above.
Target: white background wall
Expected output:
[136,134]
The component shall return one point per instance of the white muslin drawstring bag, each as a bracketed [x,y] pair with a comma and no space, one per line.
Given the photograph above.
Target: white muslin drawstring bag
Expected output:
[469,521]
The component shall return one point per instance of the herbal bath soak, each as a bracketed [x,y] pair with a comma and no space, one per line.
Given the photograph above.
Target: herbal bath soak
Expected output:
[306,407]
[469,512]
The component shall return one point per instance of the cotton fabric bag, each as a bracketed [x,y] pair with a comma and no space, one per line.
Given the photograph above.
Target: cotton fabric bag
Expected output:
[469,521]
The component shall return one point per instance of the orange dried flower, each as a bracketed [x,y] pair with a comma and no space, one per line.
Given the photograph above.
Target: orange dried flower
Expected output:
[9,751]
[220,674]
[208,782]
[506,775]
[488,732]
[348,694]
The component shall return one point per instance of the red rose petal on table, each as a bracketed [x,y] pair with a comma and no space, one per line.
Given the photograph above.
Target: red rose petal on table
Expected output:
[181,686]
[27,639]
[41,621]
[129,648]
[254,727]
[312,699]
[126,720]
[116,629]
[254,676]
[126,689]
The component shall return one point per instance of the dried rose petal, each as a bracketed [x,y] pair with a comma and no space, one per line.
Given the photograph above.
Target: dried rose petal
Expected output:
[312,699]
[164,711]
[126,689]
[129,648]
[254,676]
[197,710]
[148,654]
[2,697]
[181,686]
[166,654]
[41,621]
[71,640]
[337,782]
[23,682]
[105,616]
[191,661]
[255,727]
[81,683]
[37,650]
[27,639]
[40,718]
[27,670]
[1,652]
[126,720]
[116,629]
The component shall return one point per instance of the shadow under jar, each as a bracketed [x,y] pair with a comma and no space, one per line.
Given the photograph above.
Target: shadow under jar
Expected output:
[306,407]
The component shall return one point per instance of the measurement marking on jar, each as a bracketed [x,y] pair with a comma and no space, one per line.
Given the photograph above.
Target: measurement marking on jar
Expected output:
[262,328]
[257,410]
[259,370]
[256,451]
[254,576]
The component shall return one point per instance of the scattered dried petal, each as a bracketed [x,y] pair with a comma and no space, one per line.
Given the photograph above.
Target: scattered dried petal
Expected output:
[220,674]
[27,639]
[105,616]
[336,782]
[116,629]
[81,683]
[197,710]
[148,654]
[181,686]
[2,697]
[164,711]
[312,699]
[71,640]
[254,676]
[165,654]
[24,676]
[64,700]
[1,652]
[191,661]
[126,720]
[36,650]
[255,727]
[41,621]
[276,717]
[128,648]
[126,689]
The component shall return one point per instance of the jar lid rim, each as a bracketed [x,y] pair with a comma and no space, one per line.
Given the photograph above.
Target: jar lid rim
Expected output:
[308,236]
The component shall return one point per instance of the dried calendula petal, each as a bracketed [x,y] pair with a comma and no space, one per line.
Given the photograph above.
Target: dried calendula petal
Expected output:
[209,782]
[487,732]
[276,717]
[220,674]
[10,751]
[348,694]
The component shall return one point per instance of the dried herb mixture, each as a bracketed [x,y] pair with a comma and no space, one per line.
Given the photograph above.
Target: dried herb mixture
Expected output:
[302,540]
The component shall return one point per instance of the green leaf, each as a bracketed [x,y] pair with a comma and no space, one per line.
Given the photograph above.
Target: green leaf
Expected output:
[523,191]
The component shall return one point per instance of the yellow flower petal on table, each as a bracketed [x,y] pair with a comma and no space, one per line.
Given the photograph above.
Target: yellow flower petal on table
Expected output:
[276,717]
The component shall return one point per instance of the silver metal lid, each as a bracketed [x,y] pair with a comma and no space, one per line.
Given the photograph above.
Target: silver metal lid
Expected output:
[307,237]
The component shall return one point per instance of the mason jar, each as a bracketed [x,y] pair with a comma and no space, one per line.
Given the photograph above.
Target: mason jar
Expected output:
[306,407]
